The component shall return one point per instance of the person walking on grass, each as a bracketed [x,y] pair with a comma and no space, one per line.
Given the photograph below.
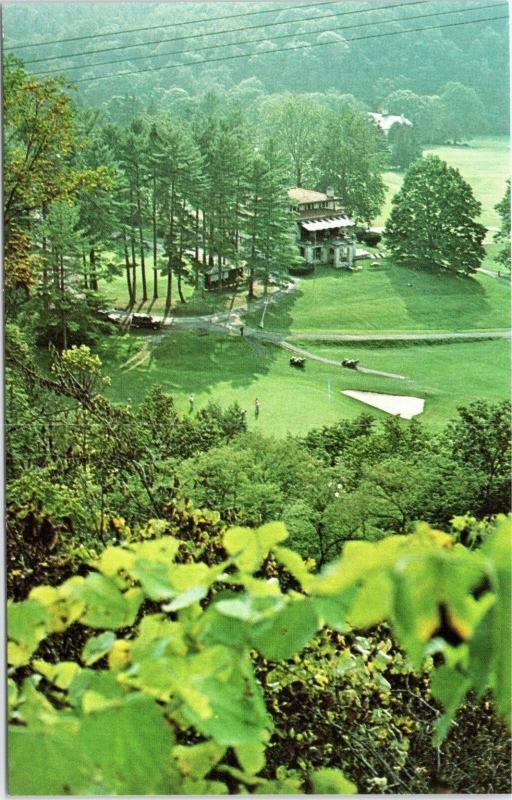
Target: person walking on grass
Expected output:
[256,408]
[190,403]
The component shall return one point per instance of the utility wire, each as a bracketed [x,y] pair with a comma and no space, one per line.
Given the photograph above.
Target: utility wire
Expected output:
[258,41]
[169,25]
[287,49]
[218,33]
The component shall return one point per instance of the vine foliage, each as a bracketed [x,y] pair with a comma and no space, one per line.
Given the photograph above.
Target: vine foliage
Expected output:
[164,698]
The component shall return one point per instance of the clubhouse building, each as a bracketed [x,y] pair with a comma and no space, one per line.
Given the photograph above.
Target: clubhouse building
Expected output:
[325,235]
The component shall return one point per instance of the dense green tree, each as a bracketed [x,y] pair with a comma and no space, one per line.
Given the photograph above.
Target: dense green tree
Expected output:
[39,137]
[423,111]
[97,204]
[432,221]
[350,159]
[503,209]
[268,244]
[480,440]
[462,112]
[295,120]
[405,146]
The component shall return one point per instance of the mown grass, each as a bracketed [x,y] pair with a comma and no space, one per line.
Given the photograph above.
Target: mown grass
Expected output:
[484,163]
[227,369]
[390,298]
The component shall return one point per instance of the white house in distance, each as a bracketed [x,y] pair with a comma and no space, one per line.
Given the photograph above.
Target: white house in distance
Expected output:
[325,235]
[386,121]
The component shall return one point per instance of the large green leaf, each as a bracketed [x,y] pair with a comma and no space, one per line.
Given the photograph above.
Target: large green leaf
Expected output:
[97,647]
[331,781]
[51,764]
[28,623]
[105,605]
[249,548]
[287,631]
[130,747]
[498,548]
[225,680]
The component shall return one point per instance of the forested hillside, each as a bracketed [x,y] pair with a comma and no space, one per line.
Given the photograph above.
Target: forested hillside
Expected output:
[421,62]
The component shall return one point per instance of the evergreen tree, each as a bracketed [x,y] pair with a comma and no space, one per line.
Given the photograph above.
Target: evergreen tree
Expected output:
[132,162]
[268,233]
[97,205]
[432,221]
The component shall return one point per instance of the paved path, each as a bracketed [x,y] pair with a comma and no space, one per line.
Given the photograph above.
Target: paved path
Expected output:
[399,337]
[231,322]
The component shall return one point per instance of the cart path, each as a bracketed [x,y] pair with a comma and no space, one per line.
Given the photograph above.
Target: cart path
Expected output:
[312,357]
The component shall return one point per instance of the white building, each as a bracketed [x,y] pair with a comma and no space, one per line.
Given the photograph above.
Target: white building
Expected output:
[386,121]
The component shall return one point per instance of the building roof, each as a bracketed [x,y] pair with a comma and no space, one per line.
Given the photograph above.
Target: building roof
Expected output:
[326,224]
[307,196]
[386,121]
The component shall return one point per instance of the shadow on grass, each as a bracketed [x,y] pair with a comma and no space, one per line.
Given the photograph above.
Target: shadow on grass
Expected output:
[278,316]
[182,361]
[442,300]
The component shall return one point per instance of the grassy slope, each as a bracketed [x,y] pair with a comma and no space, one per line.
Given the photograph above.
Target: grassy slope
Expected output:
[484,164]
[229,369]
[381,299]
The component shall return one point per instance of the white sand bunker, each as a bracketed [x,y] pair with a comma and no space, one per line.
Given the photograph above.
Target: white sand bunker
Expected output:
[397,404]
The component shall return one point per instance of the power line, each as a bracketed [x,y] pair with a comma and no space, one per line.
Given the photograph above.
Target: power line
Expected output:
[256,41]
[169,25]
[288,49]
[215,33]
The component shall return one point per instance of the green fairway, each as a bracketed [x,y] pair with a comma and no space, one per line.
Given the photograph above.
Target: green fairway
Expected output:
[445,375]
[390,298]
[228,369]
[484,163]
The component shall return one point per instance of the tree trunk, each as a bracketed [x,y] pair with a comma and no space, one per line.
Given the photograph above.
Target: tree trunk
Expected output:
[155,244]
[180,266]
[128,269]
[168,298]
[134,264]
[84,263]
[251,270]
[141,245]
[94,277]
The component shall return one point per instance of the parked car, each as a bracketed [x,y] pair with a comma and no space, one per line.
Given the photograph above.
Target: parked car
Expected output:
[145,321]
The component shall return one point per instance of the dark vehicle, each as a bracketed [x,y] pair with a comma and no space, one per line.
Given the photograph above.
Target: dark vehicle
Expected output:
[300,363]
[145,321]
[351,363]
[371,238]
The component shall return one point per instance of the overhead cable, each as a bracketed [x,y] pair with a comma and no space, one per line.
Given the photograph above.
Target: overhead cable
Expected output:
[309,46]
[259,41]
[218,33]
[168,25]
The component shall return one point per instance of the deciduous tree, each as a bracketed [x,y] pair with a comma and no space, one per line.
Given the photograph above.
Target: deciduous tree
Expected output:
[432,221]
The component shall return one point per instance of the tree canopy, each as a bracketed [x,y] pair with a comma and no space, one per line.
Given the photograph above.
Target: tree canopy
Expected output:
[432,222]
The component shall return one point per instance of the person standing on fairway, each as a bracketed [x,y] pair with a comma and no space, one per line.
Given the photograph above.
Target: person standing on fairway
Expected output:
[256,408]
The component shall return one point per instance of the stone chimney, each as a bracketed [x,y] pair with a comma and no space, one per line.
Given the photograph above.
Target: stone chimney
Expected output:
[329,191]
